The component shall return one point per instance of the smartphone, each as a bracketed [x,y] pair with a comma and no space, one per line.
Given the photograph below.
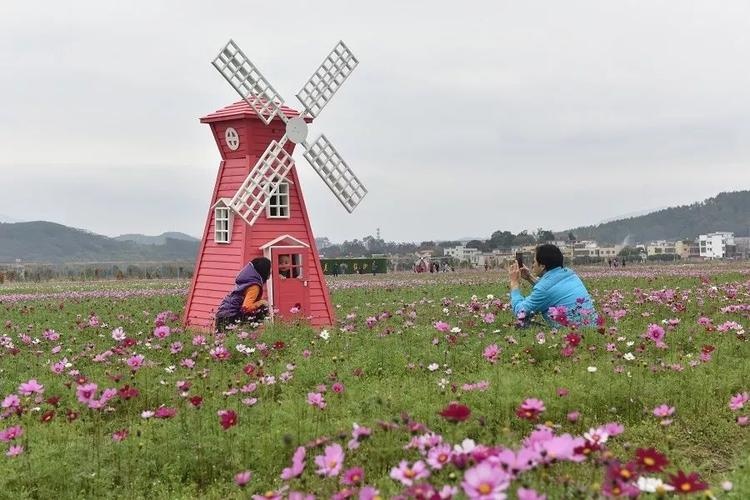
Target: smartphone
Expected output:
[519,259]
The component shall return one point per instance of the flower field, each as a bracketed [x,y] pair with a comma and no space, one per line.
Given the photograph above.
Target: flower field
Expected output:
[424,388]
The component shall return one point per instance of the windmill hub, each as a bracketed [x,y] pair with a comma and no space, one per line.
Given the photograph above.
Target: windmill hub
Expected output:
[296,130]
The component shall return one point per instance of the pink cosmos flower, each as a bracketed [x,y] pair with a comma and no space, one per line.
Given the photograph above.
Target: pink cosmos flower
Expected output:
[330,463]
[30,387]
[573,416]
[162,332]
[14,450]
[441,326]
[560,448]
[439,456]
[743,420]
[407,475]
[120,435]
[135,362]
[368,493]
[663,411]
[220,353]
[529,494]
[738,401]
[491,352]
[98,404]
[242,478]
[353,477]
[175,347]
[655,333]
[298,465]
[11,433]
[489,318]
[11,401]
[485,481]
[165,412]
[358,433]
[86,392]
[338,387]
[530,409]
[316,399]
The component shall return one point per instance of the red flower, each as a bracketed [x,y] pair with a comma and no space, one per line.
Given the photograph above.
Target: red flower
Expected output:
[71,415]
[279,344]
[249,369]
[573,339]
[684,484]
[47,416]
[126,392]
[708,348]
[53,400]
[165,412]
[196,401]
[455,412]
[650,460]
[227,418]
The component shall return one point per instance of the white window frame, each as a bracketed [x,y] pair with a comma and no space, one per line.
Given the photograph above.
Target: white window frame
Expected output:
[278,203]
[223,235]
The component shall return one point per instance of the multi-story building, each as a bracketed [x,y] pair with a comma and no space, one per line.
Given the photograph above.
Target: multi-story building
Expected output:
[464,254]
[716,245]
[661,248]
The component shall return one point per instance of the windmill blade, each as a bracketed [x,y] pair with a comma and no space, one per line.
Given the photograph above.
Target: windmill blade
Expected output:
[334,171]
[327,79]
[262,181]
[249,83]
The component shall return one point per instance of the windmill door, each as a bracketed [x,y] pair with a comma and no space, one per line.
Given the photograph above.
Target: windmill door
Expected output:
[291,295]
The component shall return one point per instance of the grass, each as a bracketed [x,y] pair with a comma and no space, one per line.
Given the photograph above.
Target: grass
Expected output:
[385,370]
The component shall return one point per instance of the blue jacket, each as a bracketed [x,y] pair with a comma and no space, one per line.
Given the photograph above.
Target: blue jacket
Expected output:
[231,306]
[557,287]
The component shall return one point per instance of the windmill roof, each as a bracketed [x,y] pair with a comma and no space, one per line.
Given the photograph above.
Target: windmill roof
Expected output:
[242,109]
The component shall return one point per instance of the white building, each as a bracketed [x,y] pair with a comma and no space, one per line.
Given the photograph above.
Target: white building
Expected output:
[716,245]
[463,254]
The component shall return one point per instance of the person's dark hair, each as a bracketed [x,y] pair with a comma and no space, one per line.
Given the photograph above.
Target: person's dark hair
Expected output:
[549,256]
[263,266]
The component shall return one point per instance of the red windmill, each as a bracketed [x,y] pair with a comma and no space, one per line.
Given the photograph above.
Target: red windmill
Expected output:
[257,208]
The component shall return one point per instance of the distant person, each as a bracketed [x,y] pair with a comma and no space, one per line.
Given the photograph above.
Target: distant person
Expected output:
[373,267]
[244,303]
[609,261]
[553,286]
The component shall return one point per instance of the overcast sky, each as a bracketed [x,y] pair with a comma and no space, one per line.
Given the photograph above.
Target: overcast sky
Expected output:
[462,117]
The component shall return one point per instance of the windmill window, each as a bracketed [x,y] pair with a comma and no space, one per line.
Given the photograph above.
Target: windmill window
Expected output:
[278,205]
[222,225]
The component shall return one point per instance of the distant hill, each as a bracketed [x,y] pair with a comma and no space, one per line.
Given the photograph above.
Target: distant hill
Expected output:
[155,240]
[724,212]
[50,242]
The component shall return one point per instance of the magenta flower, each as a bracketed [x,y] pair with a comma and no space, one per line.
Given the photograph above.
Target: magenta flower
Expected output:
[135,362]
[330,463]
[530,409]
[14,450]
[439,456]
[655,333]
[529,494]
[358,433]
[407,475]
[162,332]
[369,493]
[298,465]
[11,401]
[316,399]
[120,435]
[30,387]
[485,481]
[738,401]
[491,352]
[441,326]
[338,387]
[165,412]
[242,478]
[663,411]
[86,392]
[11,433]
[353,477]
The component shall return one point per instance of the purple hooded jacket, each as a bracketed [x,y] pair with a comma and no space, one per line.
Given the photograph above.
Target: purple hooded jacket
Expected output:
[231,306]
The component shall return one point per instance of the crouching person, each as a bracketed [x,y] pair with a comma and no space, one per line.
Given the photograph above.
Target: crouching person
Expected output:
[245,303]
[557,294]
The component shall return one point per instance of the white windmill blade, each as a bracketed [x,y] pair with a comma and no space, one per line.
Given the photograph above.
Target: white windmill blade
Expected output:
[327,79]
[262,181]
[334,171]
[249,83]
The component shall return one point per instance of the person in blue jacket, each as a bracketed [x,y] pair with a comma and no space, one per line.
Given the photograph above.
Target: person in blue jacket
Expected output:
[558,294]
[245,302]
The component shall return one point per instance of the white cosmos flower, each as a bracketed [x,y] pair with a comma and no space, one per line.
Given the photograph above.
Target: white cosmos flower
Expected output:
[433,366]
[592,369]
[652,484]
[455,329]
[490,296]
[466,446]
[324,335]
[628,356]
